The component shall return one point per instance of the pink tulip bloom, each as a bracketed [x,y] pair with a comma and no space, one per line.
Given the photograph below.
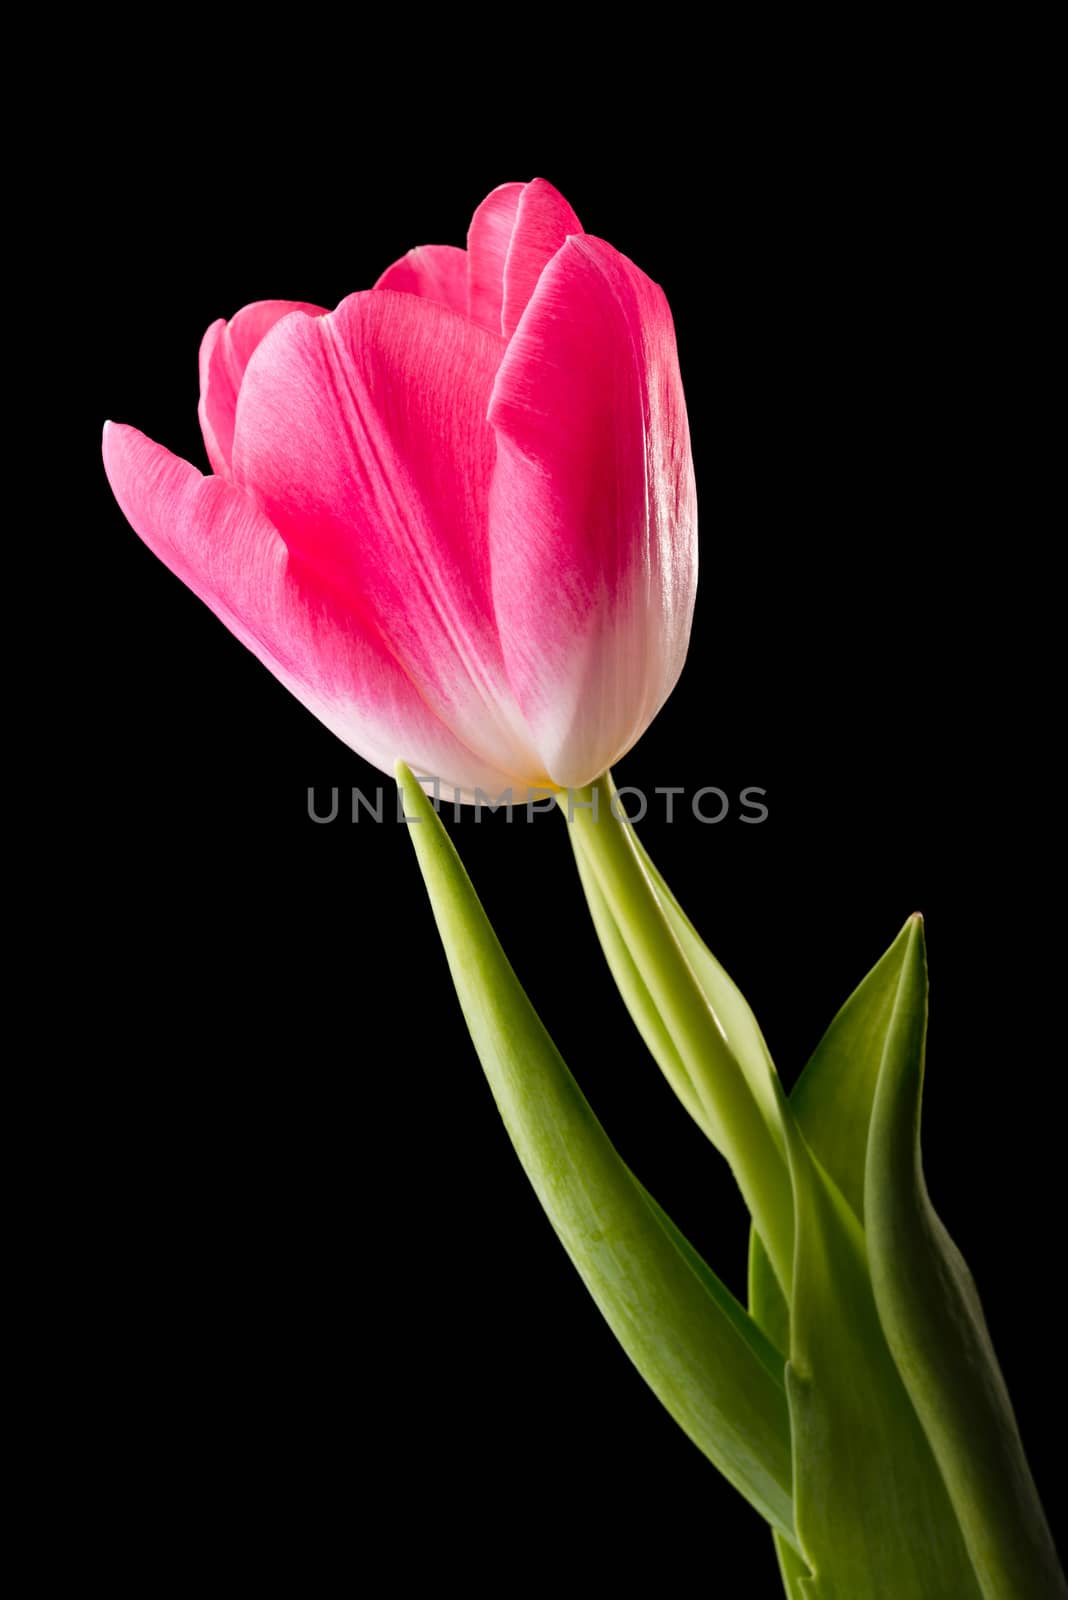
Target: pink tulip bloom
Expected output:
[456,516]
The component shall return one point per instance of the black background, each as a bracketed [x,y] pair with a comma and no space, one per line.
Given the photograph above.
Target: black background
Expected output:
[316,1296]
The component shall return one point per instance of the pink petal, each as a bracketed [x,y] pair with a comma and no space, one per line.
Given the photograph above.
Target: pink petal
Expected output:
[224,355]
[488,239]
[593,509]
[514,234]
[543,220]
[212,537]
[434,271]
[362,435]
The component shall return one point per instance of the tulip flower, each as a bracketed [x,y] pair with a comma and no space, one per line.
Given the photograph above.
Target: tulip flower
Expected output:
[455,516]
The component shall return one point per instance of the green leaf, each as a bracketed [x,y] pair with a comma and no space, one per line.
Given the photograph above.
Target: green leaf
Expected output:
[873,1517]
[695,1346]
[768,1305]
[833,1097]
[739,1025]
[832,1103]
[748,1328]
[935,1326]
[635,992]
[669,1002]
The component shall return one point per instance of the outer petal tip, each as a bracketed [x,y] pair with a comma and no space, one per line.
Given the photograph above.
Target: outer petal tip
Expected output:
[225,351]
[514,234]
[593,526]
[113,443]
[432,271]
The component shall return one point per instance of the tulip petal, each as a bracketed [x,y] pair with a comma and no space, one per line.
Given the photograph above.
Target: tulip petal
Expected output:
[214,539]
[593,522]
[434,271]
[224,354]
[362,435]
[488,239]
[514,234]
[543,221]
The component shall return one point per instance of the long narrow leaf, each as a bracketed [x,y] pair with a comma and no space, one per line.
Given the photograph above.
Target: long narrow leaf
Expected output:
[769,1308]
[740,1026]
[635,993]
[696,1348]
[935,1326]
[873,1516]
[833,1097]
[742,1123]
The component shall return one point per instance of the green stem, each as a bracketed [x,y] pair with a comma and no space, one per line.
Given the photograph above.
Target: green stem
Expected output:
[730,1113]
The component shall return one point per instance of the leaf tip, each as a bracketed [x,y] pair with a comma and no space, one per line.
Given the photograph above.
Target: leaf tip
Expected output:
[913,942]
